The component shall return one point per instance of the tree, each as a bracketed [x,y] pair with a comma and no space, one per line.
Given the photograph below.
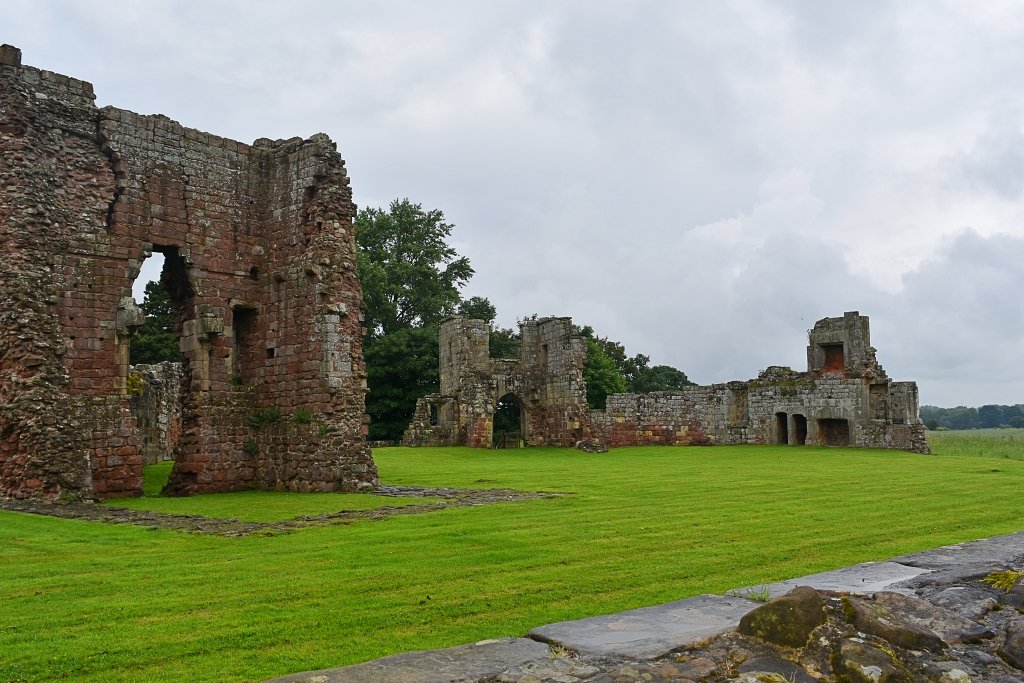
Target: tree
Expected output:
[411,279]
[661,378]
[157,339]
[990,416]
[401,367]
[410,275]
[478,308]
[639,377]
[601,375]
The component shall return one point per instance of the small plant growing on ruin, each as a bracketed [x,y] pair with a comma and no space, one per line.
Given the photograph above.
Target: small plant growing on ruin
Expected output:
[134,384]
[1004,580]
[268,415]
[302,415]
[250,447]
[324,430]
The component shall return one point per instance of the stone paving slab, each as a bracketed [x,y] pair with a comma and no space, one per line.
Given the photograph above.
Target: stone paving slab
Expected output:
[867,577]
[462,664]
[649,632]
[998,549]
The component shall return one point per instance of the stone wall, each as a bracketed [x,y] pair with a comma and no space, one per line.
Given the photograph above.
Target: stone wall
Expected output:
[843,399]
[546,382]
[260,261]
[154,393]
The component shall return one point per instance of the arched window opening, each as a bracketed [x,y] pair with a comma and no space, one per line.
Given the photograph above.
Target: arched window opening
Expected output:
[161,290]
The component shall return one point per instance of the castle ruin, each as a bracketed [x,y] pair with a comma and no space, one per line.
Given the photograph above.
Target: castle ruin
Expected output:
[260,260]
[844,398]
[544,386]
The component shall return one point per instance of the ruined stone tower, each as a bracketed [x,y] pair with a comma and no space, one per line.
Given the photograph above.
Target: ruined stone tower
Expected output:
[260,259]
[545,383]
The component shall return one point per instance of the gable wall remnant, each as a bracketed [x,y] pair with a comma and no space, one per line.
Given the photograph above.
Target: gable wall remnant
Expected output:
[546,381]
[259,258]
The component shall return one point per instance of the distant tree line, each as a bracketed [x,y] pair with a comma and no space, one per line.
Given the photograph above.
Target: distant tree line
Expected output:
[973,418]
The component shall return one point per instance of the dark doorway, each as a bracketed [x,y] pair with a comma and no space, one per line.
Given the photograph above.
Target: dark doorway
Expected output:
[508,422]
[834,432]
[782,428]
[800,430]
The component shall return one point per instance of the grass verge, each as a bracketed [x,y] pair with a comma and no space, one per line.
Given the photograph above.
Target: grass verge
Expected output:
[87,601]
[993,443]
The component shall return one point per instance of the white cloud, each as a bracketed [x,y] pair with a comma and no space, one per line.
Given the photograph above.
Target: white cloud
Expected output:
[700,182]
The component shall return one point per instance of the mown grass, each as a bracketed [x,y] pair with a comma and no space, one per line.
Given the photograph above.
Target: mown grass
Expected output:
[992,443]
[90,601]
[251,506]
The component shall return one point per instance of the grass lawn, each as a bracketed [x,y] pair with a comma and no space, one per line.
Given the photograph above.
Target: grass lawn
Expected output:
[252,506]
[92,601]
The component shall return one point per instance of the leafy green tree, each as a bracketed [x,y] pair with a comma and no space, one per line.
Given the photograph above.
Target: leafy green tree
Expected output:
[504,342]
[640,378]
[411,279]
[410,275]
[401,367]
[601,375]
[990,416]
[478,308]
[660,378]
[157,340]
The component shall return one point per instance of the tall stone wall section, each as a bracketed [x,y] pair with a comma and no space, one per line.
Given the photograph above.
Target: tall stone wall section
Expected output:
[260,260]
[546,381]
[843,399]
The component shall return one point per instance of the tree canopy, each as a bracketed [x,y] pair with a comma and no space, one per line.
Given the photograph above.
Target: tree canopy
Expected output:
[601,375]
[409,273]
[636,373]
[157,340]
[411,278]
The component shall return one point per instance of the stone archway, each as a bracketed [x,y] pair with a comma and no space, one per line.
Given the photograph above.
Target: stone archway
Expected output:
[509,423]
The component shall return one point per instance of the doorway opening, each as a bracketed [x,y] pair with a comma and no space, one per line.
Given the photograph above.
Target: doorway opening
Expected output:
[509,420]
[799,430]
[782,428]
[834,432]
[157,376]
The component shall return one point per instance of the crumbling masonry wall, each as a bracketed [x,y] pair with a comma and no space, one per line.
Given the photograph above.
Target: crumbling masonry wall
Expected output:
[546,382]
[154,394]
[260,259]
[844,398]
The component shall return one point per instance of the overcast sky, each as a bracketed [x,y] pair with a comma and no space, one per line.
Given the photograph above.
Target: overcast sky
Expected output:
[698,180]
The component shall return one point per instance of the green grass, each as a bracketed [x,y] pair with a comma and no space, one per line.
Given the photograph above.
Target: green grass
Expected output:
[251,506]
[91,601]
[993,443]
